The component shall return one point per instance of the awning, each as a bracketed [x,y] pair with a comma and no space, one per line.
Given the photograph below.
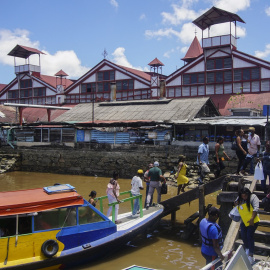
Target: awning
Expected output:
[35,200]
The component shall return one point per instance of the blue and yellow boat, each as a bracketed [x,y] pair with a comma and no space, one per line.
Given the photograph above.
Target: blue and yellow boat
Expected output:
[55,227]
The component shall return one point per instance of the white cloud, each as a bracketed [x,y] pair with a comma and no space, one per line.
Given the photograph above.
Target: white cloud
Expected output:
[50,63]
[267,11]
[184,49]
[168,32]
[168,53]
[263,54]
[142,17]
[114,3]
[120,58]
[224,29]
[232,5]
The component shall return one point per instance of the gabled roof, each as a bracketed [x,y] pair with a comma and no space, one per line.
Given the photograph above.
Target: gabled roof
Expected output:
[35,200]
[156,63]
[215,16]
[165,110]
[61,73]
[23,51]
[137,74]
[194,50]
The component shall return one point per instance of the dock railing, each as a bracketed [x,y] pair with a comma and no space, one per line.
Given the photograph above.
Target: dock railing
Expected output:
[130,198]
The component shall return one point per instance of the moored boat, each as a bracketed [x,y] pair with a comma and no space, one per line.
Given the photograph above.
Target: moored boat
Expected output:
[55,226]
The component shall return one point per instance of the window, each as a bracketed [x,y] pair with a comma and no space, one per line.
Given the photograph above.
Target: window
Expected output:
[56,218]
[26,93]
[55,135]
[25,83]
[88,88]
[211,77]
[218,63]
[125,85]
[13,94]
[39,92]
[105,75]
[87,215]
[8,225]
[247,74]
[219,76]
[193,78]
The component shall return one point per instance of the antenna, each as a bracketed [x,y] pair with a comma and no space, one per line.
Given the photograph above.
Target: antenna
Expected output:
[104,54]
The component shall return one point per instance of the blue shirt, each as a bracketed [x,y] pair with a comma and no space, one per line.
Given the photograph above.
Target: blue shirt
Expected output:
[204,153]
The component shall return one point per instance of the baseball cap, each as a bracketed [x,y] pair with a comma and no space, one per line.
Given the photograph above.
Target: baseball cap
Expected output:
[156,164]
[213,211]
[140,171]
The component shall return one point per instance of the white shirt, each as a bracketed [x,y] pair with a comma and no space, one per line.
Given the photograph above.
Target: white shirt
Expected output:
[253,144]
[136,183]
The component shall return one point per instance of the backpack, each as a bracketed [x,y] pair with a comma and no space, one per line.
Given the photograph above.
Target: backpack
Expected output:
[234,145]
[266,204]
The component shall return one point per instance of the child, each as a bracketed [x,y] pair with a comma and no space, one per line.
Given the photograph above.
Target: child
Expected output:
[182,180]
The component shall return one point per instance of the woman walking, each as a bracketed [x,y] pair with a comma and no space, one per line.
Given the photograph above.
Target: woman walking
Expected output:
[182,180]
[241,151]
[248,206]
[113,193]
[219,156]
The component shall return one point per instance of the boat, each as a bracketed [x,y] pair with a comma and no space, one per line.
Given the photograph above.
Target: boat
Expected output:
[56,227]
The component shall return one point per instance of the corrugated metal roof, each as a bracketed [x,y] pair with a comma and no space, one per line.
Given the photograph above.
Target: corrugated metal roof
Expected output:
[148,110]
[232,121]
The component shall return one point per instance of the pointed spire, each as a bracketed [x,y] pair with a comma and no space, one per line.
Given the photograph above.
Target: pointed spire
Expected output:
[156,63]
[61,73]
[194,50]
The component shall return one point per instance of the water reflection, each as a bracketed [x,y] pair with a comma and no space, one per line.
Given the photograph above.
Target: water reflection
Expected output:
[161,249]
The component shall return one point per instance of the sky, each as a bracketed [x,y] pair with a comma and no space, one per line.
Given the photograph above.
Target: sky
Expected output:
[74,34]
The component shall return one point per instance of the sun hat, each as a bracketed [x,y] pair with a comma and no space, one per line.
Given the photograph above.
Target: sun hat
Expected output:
[140,171]
[156,164]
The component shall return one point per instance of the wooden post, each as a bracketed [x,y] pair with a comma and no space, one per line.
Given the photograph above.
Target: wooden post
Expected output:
[201,203]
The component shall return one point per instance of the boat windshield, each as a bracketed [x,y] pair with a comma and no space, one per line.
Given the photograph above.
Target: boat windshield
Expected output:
[65,217]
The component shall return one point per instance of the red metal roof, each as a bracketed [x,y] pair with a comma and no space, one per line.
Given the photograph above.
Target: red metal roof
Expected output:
[252,101]
[23,51]
[61,73]
[137,72]
[51,80]
[35,200]
[2,86]
[194,50]
[156,63]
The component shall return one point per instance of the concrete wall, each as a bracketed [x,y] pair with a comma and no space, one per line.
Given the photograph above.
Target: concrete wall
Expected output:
[103,159]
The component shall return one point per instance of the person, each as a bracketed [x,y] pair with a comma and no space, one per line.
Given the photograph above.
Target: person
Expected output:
[248,207]
[92,199]
[147,181]
[212,241]
[266,166]
[241,150]
[156,177]
[182,180]
[113,194]
[219,156]
[254,145]
[167,138]
[202,159]
[136,186]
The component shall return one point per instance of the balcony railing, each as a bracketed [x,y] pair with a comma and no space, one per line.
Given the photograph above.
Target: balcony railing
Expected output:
[26,68]
[219,41]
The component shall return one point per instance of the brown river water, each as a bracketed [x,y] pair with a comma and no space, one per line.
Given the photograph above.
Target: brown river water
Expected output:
[163,248]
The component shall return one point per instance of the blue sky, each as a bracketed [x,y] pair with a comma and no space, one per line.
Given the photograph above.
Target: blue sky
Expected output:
[74,33]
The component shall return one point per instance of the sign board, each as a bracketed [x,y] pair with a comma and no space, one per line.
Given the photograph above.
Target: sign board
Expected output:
[152,135]
[265,110]
[80,135]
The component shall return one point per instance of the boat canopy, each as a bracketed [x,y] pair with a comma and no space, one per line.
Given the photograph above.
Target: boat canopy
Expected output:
[35,200]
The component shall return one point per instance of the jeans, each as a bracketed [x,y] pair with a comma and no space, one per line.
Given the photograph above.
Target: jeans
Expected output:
[251,170]
[247,235]
[246,161]
[147,191]
[220,166]
[136,205]
[154,185]
[210,258]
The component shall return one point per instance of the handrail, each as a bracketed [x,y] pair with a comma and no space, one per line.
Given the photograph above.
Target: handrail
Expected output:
[211,264]
[131,198]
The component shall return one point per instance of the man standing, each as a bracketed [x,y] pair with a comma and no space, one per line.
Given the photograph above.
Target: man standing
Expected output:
[202,159]
[156,178]
[147,180]
[136,186]
[254,147]
[212,241]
